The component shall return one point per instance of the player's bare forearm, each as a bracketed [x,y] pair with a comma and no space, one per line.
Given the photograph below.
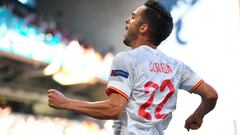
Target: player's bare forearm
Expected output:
[206,106]
[100,110]
[109,109]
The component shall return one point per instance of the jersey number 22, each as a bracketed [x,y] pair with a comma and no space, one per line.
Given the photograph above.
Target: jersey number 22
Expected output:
[162,87]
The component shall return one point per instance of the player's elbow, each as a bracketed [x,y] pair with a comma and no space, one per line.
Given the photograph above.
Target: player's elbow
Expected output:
[212,95]
[215,96]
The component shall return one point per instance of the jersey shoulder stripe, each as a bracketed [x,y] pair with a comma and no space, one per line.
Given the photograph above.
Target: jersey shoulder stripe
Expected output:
[196,86]
[111,89]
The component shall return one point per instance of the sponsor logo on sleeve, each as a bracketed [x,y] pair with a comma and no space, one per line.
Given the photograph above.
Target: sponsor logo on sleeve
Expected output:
[119,73]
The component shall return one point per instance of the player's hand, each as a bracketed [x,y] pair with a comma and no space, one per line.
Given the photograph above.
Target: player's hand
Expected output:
[193,122]
[56,99]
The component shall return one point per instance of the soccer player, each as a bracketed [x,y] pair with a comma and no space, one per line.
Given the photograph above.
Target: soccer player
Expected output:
[144,82]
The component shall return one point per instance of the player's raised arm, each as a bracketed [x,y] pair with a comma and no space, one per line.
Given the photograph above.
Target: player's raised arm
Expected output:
[209,98]
[108,109]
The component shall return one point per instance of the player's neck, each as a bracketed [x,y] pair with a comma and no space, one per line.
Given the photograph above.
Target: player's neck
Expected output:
[139,43]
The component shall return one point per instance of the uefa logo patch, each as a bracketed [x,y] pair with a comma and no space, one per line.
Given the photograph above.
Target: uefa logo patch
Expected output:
[119,73]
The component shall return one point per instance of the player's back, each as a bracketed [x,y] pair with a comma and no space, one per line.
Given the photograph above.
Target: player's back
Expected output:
[154,80]
[149,80]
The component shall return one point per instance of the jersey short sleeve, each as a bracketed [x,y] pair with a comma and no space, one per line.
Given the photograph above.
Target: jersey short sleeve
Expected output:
[189,79]
[120,78]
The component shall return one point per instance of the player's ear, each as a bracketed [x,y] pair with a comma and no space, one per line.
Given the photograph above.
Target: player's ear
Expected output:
[144,28]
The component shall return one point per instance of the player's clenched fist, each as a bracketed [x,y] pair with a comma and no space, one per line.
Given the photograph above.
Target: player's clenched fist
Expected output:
[56,99]
[193,122]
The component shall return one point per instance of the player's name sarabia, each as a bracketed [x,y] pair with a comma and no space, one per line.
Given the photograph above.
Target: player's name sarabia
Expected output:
[159,67]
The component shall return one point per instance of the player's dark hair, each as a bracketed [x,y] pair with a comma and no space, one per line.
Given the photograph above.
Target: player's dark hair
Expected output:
[159,20]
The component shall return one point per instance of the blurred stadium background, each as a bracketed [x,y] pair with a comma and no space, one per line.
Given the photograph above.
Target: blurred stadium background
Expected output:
[69,45]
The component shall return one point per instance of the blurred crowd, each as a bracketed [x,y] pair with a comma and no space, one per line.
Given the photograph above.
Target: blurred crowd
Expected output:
[22,124]
[26,23]
[24,33]
[43,23]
